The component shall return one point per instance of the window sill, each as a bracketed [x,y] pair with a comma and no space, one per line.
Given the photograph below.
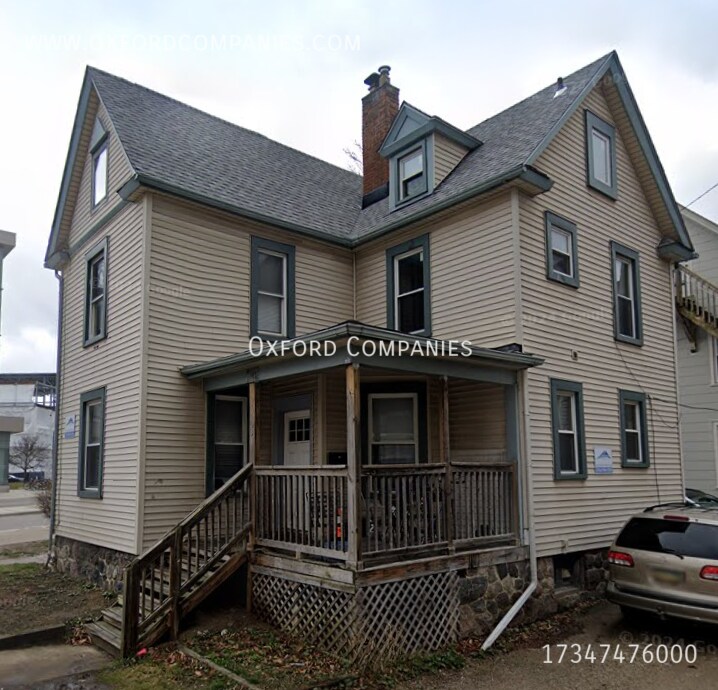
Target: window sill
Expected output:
[635,465]
[396,205]
[93,495]
[570,477]
[609,192]
[94,341]
[636,342]
[563,280]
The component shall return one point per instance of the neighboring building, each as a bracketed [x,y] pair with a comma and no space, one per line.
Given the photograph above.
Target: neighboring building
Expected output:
[8,424]
[385,491]
[698,356]
[32,397]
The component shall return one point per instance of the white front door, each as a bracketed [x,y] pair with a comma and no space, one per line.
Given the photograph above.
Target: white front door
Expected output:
[297,438]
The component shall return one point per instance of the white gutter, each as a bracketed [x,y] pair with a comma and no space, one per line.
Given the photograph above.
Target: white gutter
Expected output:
[518,605]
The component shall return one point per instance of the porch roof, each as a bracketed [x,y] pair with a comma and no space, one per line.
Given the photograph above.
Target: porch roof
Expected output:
[470,362]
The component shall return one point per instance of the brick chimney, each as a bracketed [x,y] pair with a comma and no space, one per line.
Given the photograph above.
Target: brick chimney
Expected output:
[379,108]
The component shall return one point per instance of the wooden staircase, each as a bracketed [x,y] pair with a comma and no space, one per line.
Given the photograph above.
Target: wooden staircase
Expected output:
[696,301]
[181,570]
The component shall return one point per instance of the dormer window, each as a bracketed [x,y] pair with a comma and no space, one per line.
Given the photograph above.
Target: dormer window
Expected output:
[412,174]
[99,151]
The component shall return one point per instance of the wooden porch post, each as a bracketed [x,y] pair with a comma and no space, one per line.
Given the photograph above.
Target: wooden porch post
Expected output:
[252,457]
[353,464]
[445,456]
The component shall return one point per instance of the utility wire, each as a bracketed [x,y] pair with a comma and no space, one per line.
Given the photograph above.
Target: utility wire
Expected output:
[700,196]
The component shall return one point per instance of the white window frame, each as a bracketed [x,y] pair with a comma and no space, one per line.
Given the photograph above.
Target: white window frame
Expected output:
[595,132]
[397,294]
[638,431]
[370,405]
[95,330]
[403,179]
[283,296]
[96,402]
[569,236]
[574,431]
[103,150]
[630,263]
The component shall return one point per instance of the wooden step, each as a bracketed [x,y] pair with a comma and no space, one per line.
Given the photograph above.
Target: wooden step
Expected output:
[113,617]
[104,636]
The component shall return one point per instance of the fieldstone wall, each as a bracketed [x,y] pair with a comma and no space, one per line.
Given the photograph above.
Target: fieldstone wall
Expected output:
[95,564]
[487,592]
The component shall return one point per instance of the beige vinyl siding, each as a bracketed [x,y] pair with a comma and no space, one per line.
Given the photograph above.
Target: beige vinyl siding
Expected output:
[119,171]
[477,420]
[472,284]
[199,310]
[115,364]
[447,155]
[564,319]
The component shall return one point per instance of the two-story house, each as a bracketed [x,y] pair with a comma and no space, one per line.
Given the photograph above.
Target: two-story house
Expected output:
[697,293]
[402,401]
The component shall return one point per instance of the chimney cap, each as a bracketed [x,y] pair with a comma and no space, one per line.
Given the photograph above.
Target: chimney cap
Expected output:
[384,70]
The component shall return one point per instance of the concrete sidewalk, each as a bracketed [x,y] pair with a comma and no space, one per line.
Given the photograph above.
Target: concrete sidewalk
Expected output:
[31,667]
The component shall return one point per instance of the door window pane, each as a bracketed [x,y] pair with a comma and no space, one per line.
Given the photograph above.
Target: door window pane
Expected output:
[393,419]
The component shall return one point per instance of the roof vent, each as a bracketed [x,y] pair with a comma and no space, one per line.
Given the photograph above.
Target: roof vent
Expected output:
[561,88]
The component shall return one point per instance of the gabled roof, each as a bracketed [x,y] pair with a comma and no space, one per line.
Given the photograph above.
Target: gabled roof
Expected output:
[412,124]
[181,150]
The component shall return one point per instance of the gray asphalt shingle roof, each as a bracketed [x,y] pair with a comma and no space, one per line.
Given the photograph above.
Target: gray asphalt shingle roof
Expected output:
[207,158]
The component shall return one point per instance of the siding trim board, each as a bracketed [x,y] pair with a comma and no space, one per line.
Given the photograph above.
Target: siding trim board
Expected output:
[562,386]
[625,396]
[619,250]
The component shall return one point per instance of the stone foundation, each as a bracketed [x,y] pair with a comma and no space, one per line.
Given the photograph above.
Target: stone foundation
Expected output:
[97,565]
[487,592]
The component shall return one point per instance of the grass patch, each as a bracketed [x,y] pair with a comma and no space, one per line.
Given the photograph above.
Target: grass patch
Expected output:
[32,596]
[30,548]
[163,669]
[268,658]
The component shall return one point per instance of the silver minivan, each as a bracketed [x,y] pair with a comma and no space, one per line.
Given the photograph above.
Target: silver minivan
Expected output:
[665,561]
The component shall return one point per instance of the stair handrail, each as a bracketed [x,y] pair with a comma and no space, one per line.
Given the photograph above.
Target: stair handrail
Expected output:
[697,276]
[172,541]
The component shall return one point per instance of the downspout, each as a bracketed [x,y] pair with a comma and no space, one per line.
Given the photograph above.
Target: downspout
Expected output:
[51,555]
[528,474]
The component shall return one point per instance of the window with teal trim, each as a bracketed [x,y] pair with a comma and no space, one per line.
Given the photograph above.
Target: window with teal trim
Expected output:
[634,432]
[569,447]
[601,155]
[627,313]
[408,289]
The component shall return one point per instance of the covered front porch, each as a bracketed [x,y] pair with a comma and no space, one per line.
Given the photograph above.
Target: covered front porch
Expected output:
[364,460]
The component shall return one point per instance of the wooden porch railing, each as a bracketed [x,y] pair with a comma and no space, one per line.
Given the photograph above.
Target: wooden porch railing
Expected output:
[404,507]
[485,503]
[303,509]
[163,584]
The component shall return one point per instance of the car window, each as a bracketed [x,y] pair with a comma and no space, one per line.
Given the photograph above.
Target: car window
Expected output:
[669,536]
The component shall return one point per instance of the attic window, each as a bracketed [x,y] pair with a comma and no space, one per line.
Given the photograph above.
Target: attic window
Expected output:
[99,151]
[412,174]
[601,155]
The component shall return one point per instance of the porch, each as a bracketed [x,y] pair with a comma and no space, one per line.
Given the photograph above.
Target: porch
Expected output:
[363,461]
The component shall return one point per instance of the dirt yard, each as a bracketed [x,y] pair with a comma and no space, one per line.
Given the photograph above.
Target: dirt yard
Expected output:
[33,597]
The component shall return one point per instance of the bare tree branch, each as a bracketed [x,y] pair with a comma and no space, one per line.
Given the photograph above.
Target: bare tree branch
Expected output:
[355,155]
[29,453]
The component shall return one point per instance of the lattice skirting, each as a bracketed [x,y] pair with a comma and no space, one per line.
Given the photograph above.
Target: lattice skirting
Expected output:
[384,620]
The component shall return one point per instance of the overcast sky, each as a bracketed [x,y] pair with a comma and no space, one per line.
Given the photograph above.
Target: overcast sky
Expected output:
[293,70]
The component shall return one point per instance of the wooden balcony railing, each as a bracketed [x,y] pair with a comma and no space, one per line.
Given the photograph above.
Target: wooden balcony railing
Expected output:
[696,298]
[303,509]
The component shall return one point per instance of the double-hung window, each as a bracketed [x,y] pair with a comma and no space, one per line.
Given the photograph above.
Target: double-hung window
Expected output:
[412,174]
[96,293]
[408,293]
[393,428]
[561,250]
[568,430]
[626,295]
[634,437]
[92,442]
[601,155]
[272,289]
